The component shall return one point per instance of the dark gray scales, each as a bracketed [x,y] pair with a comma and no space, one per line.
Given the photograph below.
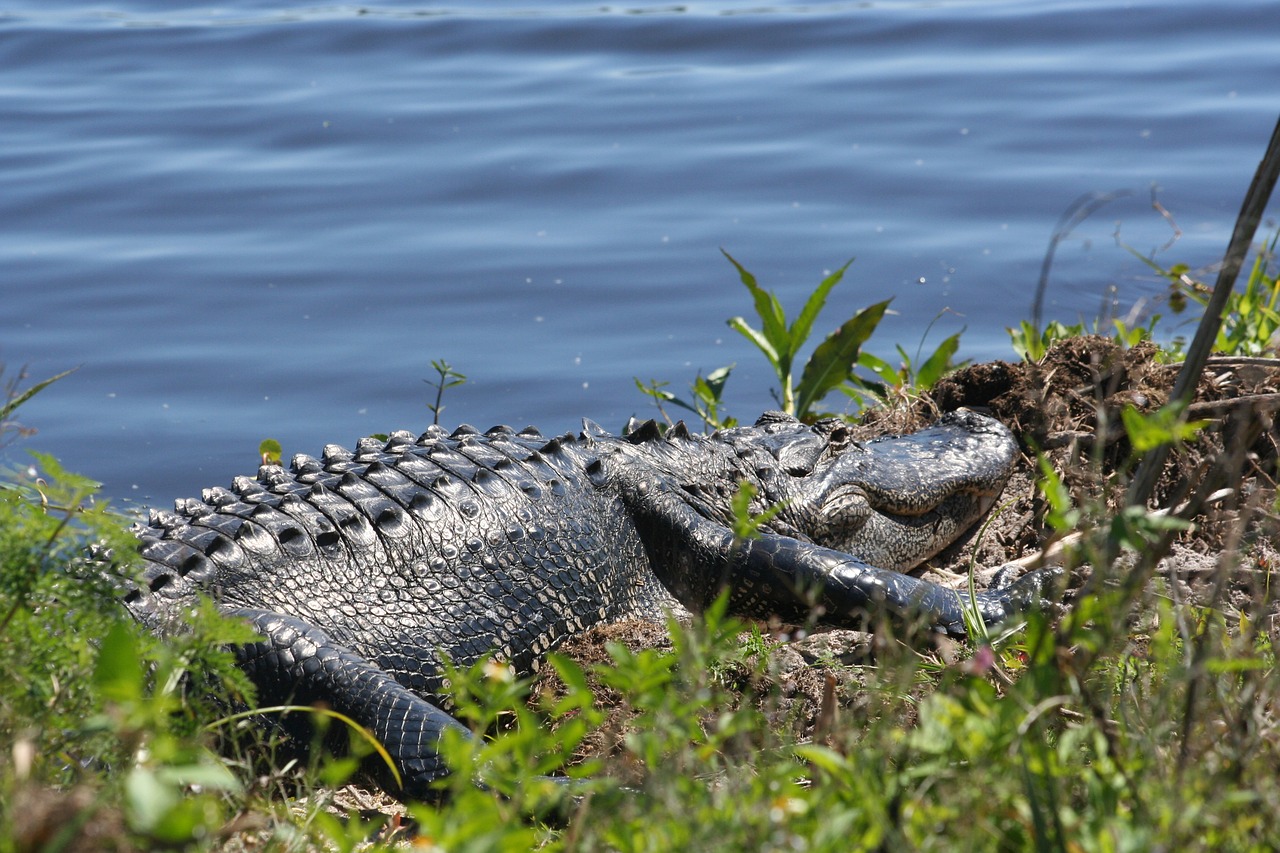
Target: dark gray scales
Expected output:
[364,570]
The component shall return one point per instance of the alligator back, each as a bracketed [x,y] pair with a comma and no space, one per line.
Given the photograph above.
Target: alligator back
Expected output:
[466,544]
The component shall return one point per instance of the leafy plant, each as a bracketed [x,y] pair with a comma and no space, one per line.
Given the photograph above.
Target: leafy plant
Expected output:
[446,377]
[910,376]
[832,361]
[77,669]
[270,451]
[1250,321]
[108,727]
[1251,318]
[706,402]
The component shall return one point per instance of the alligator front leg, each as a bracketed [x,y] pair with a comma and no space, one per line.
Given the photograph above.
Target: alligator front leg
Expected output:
[775,575]
[779,575]
[300,664]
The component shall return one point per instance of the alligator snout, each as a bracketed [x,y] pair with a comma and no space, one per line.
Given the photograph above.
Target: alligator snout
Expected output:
[898,500]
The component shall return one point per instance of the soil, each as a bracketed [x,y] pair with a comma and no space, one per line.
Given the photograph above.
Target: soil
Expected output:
[1068,406]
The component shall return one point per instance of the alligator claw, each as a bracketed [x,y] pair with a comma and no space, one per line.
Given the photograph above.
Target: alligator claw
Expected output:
[1009,596]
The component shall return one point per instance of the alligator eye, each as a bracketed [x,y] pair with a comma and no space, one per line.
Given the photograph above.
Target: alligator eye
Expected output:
[839,439]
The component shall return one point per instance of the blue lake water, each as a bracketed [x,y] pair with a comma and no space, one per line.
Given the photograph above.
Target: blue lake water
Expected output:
[256,219]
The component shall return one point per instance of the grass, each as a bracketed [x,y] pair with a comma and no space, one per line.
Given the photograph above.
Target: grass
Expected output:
[1140,721]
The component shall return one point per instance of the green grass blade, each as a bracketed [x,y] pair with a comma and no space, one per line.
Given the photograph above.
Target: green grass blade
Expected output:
[937,364]
[803,326]
[833,360]
[26,395]
[353,728]
[772,317]
[761,340]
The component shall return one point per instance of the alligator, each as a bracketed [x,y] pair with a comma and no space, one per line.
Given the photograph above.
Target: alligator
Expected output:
[365,571]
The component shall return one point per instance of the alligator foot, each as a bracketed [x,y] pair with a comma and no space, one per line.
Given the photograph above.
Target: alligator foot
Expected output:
[774,576]
[1010,596]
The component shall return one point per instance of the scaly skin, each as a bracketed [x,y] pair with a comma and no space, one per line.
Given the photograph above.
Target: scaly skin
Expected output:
[363,571]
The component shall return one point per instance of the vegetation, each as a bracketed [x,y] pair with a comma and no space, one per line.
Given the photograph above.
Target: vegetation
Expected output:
[832,365]
[446,378]
[1140,720]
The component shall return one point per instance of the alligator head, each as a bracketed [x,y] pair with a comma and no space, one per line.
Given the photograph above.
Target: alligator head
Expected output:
[892,502]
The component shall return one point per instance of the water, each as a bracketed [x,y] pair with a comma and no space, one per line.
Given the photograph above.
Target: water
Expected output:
[245,220]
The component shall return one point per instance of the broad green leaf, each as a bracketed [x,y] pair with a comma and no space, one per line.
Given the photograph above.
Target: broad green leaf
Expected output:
[767,307]
[270,451]
[118,673]
[761,341]
[803,326]
[1161,427]
[570,673]
[1063,514]
[833,360]
[825,757]
[149,799]
[937,365]
[207,774]
[717,378]
[878,366]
